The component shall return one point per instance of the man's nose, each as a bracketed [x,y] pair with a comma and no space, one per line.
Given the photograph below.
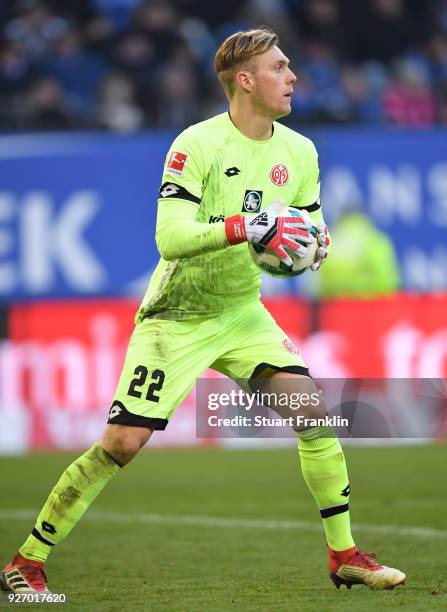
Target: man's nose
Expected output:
[292,77]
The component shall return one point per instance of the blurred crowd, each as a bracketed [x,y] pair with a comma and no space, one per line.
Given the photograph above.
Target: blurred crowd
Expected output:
[125,65]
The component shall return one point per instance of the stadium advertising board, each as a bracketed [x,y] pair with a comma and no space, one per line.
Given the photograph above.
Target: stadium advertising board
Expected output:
[60,362]
[399,179]
[77,212]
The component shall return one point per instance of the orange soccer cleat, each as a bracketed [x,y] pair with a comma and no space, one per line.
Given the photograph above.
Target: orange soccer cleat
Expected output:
[23,576]
[352,566]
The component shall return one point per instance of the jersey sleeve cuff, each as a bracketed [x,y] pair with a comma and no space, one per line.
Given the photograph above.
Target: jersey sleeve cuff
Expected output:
[235,229]
[309,207]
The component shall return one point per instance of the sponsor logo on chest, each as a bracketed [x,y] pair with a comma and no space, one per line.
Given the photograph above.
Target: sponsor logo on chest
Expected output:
[252,201]
[216,219]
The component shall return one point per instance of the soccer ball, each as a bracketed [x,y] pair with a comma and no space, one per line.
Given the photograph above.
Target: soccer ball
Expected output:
[269,262]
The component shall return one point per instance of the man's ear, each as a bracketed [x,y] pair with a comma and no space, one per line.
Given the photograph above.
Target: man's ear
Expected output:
[244,78]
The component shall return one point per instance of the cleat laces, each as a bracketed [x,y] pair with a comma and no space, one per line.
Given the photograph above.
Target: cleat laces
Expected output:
[35,576]
[366,560]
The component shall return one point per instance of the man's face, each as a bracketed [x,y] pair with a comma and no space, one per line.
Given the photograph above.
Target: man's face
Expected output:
[272,83]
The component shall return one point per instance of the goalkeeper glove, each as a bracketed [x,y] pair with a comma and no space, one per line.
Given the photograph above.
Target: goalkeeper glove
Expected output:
[323,243]
[271,231]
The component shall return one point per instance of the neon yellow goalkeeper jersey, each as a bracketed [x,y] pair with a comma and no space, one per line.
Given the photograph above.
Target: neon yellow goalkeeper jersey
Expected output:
[213,167]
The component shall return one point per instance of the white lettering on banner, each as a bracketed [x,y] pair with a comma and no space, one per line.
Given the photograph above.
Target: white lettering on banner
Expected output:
[341,190]
[408,353]
[106,360]
[390,194]
[395,194]
[68,362]
[47,240]
[58,384]
[423,271]
[437,187]
[8,271]
[39,374]
[23,373]
[401,346]
[66,372]
[434,355]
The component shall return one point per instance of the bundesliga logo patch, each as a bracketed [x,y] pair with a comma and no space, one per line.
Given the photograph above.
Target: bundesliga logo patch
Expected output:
[176,163]
[279,175]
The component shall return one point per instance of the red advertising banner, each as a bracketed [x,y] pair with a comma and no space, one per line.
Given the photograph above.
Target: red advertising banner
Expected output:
[60,366]
[404,336]
[58,372]
[60,361]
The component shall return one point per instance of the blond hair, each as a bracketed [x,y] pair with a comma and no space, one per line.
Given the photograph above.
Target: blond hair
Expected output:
[237,50]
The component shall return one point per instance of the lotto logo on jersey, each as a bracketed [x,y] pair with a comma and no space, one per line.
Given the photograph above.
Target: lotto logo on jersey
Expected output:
[176,162]
[279,175]
[115,410]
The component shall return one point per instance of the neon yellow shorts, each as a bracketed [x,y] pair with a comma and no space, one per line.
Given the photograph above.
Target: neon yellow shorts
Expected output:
[165,357]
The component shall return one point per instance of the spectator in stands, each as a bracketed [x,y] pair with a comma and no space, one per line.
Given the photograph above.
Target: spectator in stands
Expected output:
[343,51]
[35,28]
[158,21]
[178,104]
[78,70]
[117,107]
[45,109]
[305,107]
[99,32]
[442,105]
[378,30]
[133,55]
[363,103]
[16,74]
[216,101]
[408,101]
[319,21]
[75,11]
[16,69]
[437,58]
[200,41]
[325,98]
[119,12]
[214,14]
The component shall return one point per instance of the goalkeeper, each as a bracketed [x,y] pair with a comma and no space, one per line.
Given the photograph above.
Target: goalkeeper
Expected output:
[202,307]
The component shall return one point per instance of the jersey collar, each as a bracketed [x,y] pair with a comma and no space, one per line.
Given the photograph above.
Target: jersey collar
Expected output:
[239,134]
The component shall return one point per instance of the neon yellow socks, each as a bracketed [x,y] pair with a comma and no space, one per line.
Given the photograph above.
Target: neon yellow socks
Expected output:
[324,470]
[322,463]
[76,489]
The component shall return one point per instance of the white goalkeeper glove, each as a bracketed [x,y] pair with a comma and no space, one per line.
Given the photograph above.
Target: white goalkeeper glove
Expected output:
[271,231]
[323,243]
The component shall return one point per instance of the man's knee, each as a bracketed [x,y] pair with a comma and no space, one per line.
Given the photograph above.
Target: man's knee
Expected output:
[123,442]
[304,397]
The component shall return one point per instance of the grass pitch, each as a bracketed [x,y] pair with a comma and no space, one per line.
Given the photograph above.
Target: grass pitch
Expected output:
[144,544]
